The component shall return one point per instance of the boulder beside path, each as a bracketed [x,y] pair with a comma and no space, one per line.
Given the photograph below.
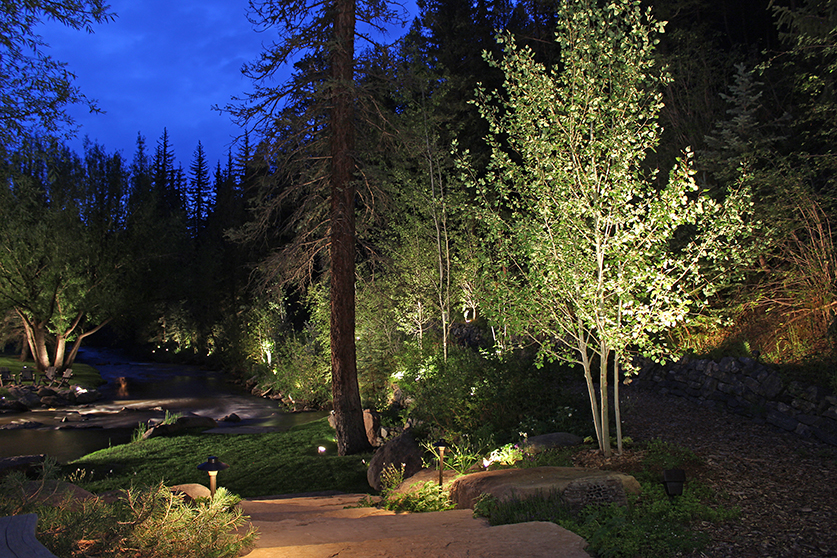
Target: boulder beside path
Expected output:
[579,486]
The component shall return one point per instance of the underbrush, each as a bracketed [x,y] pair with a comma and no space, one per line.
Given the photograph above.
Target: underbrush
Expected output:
[148,522]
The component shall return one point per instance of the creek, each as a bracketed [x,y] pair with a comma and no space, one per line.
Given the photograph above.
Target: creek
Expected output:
[137,392]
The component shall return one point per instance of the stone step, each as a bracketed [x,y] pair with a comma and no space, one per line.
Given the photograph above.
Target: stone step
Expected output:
[323,526]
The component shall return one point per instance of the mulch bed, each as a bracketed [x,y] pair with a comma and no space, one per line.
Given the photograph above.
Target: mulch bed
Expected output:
[786,487]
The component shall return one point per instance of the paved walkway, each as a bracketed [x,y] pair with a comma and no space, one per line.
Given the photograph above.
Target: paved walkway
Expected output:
[323,526]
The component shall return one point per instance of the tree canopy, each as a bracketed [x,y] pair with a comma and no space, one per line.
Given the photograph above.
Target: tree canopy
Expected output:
[35,88]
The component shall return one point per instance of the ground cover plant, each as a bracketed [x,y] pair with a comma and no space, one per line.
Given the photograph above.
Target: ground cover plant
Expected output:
[652,524]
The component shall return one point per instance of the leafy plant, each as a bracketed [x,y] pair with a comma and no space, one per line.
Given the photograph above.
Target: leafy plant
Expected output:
[461,455]
[506,455]
[139,432]
[426,497]
[477,396]
[171,418]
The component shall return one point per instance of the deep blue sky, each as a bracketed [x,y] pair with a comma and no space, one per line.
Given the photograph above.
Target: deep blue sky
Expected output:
[163,64]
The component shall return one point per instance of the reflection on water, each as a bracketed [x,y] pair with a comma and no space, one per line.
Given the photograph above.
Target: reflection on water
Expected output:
[122,386]
[63,445]
[136,392]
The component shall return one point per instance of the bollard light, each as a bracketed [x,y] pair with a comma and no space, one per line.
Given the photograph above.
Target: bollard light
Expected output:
[212,466]
[441,445]
[673,480]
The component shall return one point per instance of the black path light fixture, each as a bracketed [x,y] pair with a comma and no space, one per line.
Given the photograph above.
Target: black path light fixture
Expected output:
[212,466]
[673,480]
[441,445]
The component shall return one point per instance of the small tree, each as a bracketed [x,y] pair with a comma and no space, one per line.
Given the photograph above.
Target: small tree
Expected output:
[588,256]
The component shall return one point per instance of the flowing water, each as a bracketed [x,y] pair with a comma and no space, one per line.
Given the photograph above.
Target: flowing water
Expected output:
[136,392]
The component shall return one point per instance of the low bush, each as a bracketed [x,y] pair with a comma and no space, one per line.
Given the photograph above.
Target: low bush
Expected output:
[482,396]
[651,525]
[427,497]
[149,522]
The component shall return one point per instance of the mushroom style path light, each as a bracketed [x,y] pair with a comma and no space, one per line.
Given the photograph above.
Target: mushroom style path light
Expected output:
[212,466]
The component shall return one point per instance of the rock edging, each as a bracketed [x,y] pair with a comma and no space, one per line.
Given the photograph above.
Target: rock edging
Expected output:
[745,386]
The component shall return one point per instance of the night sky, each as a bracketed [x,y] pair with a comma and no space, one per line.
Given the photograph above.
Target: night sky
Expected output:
[162,64]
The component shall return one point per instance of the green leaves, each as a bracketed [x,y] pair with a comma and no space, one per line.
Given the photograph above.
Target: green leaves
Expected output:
[592,255]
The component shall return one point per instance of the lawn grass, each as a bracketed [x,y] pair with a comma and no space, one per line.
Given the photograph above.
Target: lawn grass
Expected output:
[260,464]
[83,374]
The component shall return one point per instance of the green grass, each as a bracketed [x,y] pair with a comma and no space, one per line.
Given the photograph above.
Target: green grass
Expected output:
[260,464]
[83,374]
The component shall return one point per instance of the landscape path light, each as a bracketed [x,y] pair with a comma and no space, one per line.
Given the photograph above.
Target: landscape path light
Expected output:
[441,445]
[212,466]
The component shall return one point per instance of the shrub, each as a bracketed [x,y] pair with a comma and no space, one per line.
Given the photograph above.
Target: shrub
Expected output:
[150,522]
[427,497]
[484,396]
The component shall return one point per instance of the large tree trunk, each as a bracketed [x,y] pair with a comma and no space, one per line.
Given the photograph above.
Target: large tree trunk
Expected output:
[71,358]
[36,338]
[348,414]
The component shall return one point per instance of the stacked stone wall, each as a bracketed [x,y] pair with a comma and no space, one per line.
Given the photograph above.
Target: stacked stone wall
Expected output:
[746,386]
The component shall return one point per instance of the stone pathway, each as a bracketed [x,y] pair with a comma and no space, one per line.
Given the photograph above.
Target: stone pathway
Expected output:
[323,526]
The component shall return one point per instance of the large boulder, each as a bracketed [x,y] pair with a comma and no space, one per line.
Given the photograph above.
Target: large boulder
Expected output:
[579,486]
[88,395]
[26,395]
[191,491]
[401,451]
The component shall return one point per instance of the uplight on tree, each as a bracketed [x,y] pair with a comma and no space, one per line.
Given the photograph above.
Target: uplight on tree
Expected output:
[587,252]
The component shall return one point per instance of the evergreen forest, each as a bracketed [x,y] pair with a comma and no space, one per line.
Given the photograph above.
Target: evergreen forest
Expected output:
[541,193]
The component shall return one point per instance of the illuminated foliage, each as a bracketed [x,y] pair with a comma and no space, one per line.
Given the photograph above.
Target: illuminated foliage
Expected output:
[586,255]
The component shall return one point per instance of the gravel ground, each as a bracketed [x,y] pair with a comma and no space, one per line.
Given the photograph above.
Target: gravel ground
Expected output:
[786,487]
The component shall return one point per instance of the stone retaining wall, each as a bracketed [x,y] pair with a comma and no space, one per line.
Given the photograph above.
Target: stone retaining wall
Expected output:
[748,387]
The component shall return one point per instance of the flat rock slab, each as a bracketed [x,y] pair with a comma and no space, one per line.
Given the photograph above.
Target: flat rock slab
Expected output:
[506,484]
[320,527]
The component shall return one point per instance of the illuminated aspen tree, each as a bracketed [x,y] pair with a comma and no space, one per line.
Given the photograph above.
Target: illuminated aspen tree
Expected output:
[589,255]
